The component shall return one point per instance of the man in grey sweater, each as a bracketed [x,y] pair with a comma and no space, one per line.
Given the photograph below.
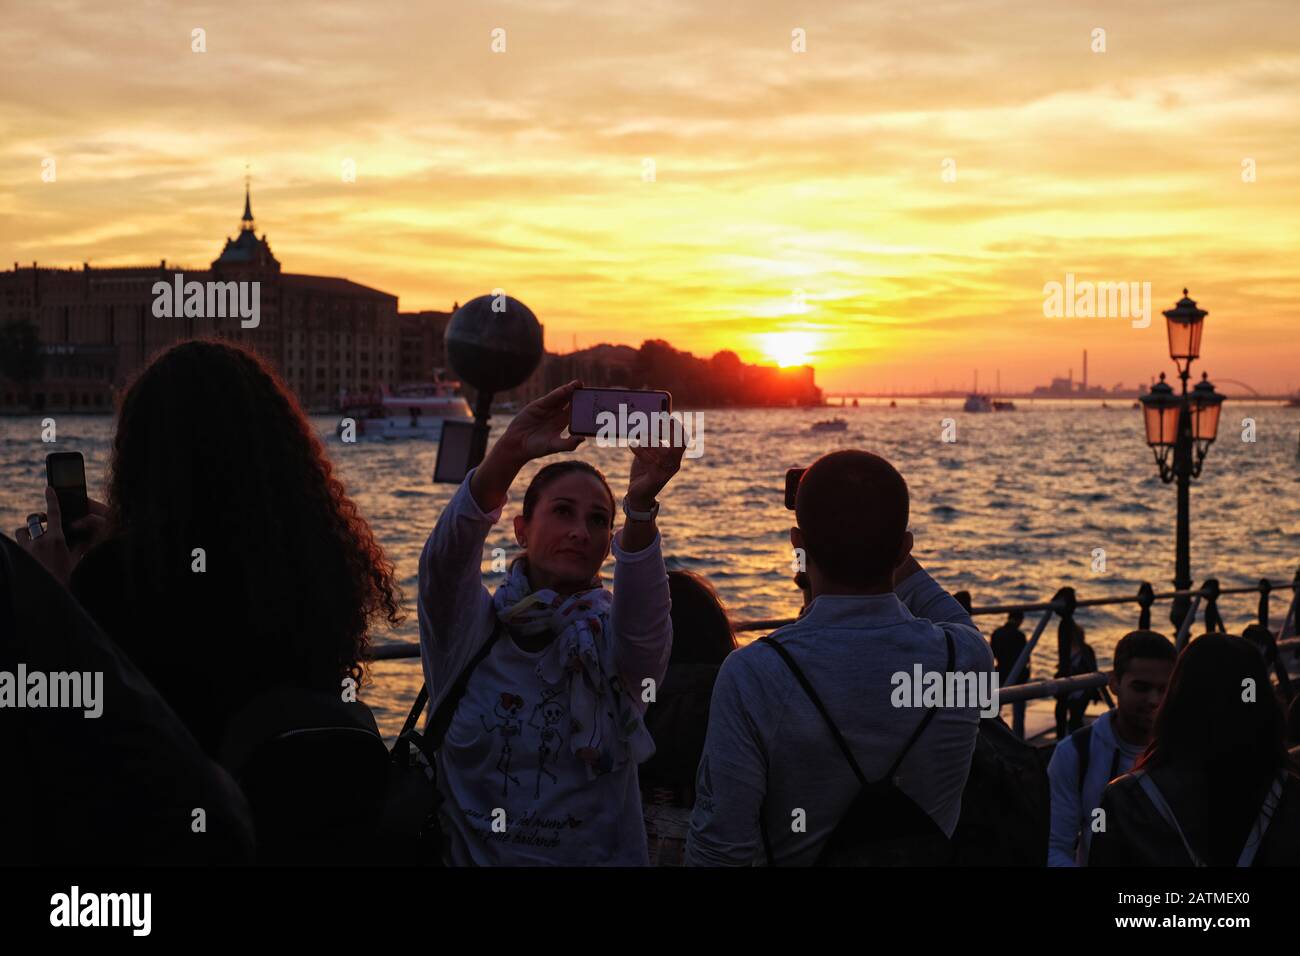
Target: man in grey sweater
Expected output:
[771,766]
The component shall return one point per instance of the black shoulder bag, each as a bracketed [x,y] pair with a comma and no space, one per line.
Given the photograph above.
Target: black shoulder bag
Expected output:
[410,826]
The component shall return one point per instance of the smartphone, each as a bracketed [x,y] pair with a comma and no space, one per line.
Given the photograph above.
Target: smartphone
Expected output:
[587,405]
[65,472]
[792,486]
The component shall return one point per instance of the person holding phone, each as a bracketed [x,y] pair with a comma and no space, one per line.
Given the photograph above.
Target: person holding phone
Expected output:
[228,561]
[45,538]
[549,677]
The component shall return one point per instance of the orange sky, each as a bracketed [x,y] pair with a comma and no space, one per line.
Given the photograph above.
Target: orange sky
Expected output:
[793,193]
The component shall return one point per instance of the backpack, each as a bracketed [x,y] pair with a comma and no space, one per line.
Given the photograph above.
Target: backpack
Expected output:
[883,826]
[409,825]
[1005,806]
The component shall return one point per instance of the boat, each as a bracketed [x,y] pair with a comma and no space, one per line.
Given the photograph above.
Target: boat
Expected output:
[1294,402]
[414,410]
[1004,405]
[975,402]
[830,425]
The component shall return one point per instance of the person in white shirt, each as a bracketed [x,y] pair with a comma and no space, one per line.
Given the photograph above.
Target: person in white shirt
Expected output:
[773,783]
[1084,762]
[539,761]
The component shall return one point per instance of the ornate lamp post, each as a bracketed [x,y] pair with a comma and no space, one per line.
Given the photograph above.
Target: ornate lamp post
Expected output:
[1180,430]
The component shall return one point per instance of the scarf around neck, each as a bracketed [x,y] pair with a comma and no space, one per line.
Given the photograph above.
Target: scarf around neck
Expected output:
[605,729]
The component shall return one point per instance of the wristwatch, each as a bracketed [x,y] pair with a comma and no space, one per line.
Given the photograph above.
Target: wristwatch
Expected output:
[640,515]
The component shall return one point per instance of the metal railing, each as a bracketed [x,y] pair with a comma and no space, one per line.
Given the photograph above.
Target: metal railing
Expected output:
[1063,604]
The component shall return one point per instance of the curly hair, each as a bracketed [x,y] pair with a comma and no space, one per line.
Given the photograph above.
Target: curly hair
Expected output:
[213,452]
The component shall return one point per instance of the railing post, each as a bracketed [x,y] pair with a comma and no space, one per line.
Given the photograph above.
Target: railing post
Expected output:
[1265,587]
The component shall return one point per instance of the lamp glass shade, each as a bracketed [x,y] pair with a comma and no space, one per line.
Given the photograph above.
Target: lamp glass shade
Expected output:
[1161,424]
[1206,404]
[1185,338]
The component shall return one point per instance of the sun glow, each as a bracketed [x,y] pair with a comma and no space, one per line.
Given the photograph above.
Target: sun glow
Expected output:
[788,348]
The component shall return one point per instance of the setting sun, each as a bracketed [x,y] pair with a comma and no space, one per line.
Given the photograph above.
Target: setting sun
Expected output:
[788,348]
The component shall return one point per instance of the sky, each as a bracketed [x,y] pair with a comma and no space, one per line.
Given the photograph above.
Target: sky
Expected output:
[888,203]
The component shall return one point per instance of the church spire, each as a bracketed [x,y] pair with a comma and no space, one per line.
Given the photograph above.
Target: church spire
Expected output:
[246,223]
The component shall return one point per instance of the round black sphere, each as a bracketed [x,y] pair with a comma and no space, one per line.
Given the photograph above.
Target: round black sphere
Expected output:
[494,350]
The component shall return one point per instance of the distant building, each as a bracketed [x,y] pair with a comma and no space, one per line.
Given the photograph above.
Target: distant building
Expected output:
[422,348]
[323,334]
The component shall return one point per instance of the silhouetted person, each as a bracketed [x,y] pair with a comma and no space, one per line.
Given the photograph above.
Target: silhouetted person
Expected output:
[1008,642]
[1215,787]
[1072,705]
[231,560]
[237,575]
[679,716]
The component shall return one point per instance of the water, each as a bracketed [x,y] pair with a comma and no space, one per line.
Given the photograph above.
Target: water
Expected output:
[1011,511]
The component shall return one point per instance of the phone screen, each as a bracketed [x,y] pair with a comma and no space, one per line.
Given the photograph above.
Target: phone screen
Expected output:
[66,474]
[587,405]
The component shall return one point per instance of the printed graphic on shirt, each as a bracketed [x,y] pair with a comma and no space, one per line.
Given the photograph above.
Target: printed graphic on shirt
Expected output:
[507,710]
[548,719]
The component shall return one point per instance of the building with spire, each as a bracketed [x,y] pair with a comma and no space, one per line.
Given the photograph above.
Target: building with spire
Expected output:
[325,335]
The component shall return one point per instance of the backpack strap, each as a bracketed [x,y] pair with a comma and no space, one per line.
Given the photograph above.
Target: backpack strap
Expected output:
[431,740]
[1082,739]
[1162,807]
[835,731]
[1265,817]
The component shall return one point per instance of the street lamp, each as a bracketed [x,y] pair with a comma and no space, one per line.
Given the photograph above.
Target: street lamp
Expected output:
[1180,430]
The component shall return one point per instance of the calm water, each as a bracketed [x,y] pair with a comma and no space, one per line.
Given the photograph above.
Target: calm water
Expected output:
[1011,511]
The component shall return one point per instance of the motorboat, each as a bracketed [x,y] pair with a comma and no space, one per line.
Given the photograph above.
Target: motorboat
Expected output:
[415,410]
[830,425]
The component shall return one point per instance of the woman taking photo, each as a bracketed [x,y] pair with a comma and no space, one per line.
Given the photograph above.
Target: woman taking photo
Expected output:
[549,677]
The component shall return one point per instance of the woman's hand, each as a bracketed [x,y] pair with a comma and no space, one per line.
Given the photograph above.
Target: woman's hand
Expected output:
[535,432]
[51,549]
[652,468]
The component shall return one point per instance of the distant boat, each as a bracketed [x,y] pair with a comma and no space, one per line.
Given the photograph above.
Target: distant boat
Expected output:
[975,402]
[1295,402]
[1004,406]
[893,404]
[407,411]
[830,425]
